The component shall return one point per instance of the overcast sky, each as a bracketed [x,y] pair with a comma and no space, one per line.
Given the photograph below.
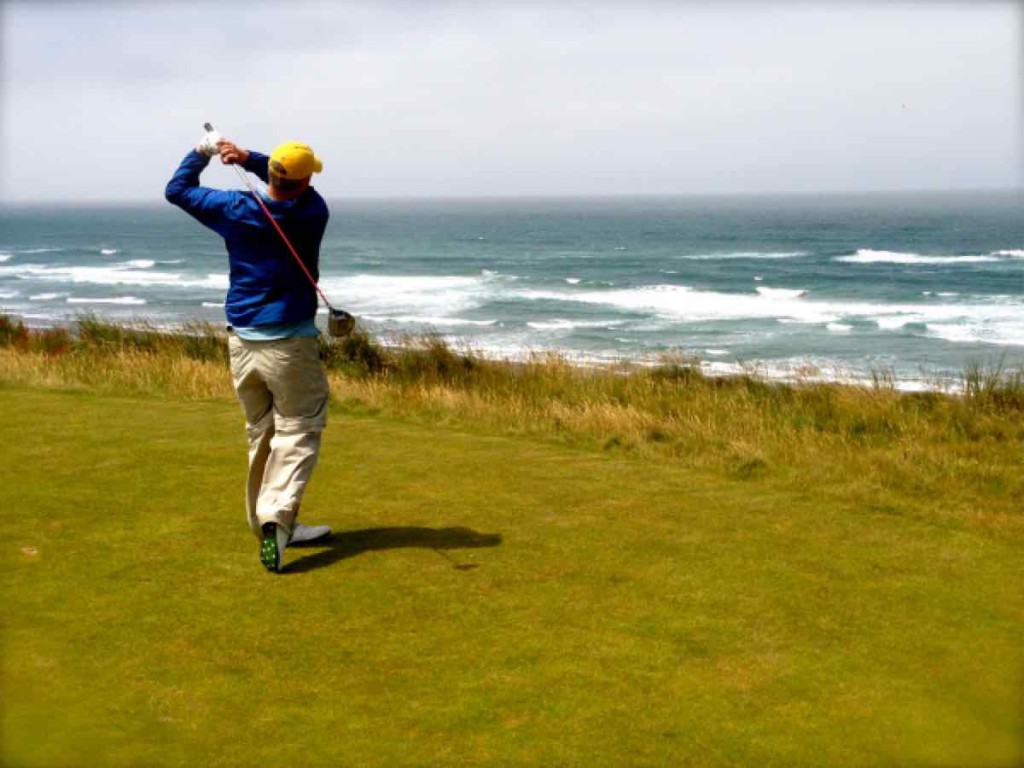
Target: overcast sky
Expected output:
[100,100]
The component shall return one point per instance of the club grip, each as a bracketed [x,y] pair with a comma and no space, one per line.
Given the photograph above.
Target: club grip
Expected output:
[207,127]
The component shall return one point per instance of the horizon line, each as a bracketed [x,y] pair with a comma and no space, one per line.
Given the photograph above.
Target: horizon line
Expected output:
[552,197]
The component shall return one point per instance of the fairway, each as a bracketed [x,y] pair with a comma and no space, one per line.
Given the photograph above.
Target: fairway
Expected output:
[485,601]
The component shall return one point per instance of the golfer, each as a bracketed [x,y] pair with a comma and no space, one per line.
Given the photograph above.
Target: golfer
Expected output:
[270,307]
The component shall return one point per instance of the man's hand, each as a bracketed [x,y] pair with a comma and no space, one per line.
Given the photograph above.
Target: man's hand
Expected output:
[231,154]
[207,146]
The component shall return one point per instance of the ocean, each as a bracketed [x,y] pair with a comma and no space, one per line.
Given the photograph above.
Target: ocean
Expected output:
[913,286]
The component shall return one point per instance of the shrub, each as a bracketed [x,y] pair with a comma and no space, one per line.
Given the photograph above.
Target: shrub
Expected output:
[93,332]
[13,332]
[430,358]
[53,341]
[203,341]
[994,387]
[678,368]
[356,353]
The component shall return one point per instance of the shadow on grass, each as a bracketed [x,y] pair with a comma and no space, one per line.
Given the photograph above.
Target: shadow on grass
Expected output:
[348,544]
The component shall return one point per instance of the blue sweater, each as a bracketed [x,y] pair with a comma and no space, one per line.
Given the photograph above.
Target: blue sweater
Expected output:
[266,286]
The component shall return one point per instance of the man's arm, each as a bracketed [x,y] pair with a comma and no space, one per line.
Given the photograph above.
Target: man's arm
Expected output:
[209,206]
[253,162]
[259,165]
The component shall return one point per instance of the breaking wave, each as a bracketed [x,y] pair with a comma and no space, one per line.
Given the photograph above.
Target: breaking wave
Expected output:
[129,273]
[745,255]
[126,300]
[440,297]
[983,321]
[867,256]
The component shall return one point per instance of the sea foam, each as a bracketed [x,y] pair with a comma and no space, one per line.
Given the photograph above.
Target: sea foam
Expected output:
[768,255]
[436,296]
[118,274]
[560,324]
[128,300]
[683,303]
[868,256]
[430,321]
[991,329]
[892,322]
[986,321]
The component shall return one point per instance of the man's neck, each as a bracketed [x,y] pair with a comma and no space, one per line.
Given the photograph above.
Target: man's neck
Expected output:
[276,194]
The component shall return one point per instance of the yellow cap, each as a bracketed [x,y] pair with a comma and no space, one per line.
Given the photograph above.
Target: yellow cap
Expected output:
[294,160]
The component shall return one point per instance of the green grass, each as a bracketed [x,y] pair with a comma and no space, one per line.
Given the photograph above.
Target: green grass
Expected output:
[500,599]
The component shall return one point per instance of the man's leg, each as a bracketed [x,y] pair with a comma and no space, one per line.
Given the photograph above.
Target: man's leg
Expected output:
[296,379]
[257,403]
[293,455]
[260,437]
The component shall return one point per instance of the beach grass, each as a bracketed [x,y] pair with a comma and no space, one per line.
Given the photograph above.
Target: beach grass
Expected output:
[534,565]
[869,441]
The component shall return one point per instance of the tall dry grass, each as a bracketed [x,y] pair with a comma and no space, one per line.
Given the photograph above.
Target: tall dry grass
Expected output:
[117,359]
[867,442]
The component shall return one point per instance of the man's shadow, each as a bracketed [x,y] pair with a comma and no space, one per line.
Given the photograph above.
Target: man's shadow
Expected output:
[340,546]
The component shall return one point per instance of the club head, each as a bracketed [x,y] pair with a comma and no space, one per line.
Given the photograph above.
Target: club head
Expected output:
[340,323]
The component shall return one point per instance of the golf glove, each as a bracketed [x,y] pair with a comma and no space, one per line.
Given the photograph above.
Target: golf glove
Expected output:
[208,144]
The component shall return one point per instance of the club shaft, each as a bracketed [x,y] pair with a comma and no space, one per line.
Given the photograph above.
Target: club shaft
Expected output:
[284,237]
